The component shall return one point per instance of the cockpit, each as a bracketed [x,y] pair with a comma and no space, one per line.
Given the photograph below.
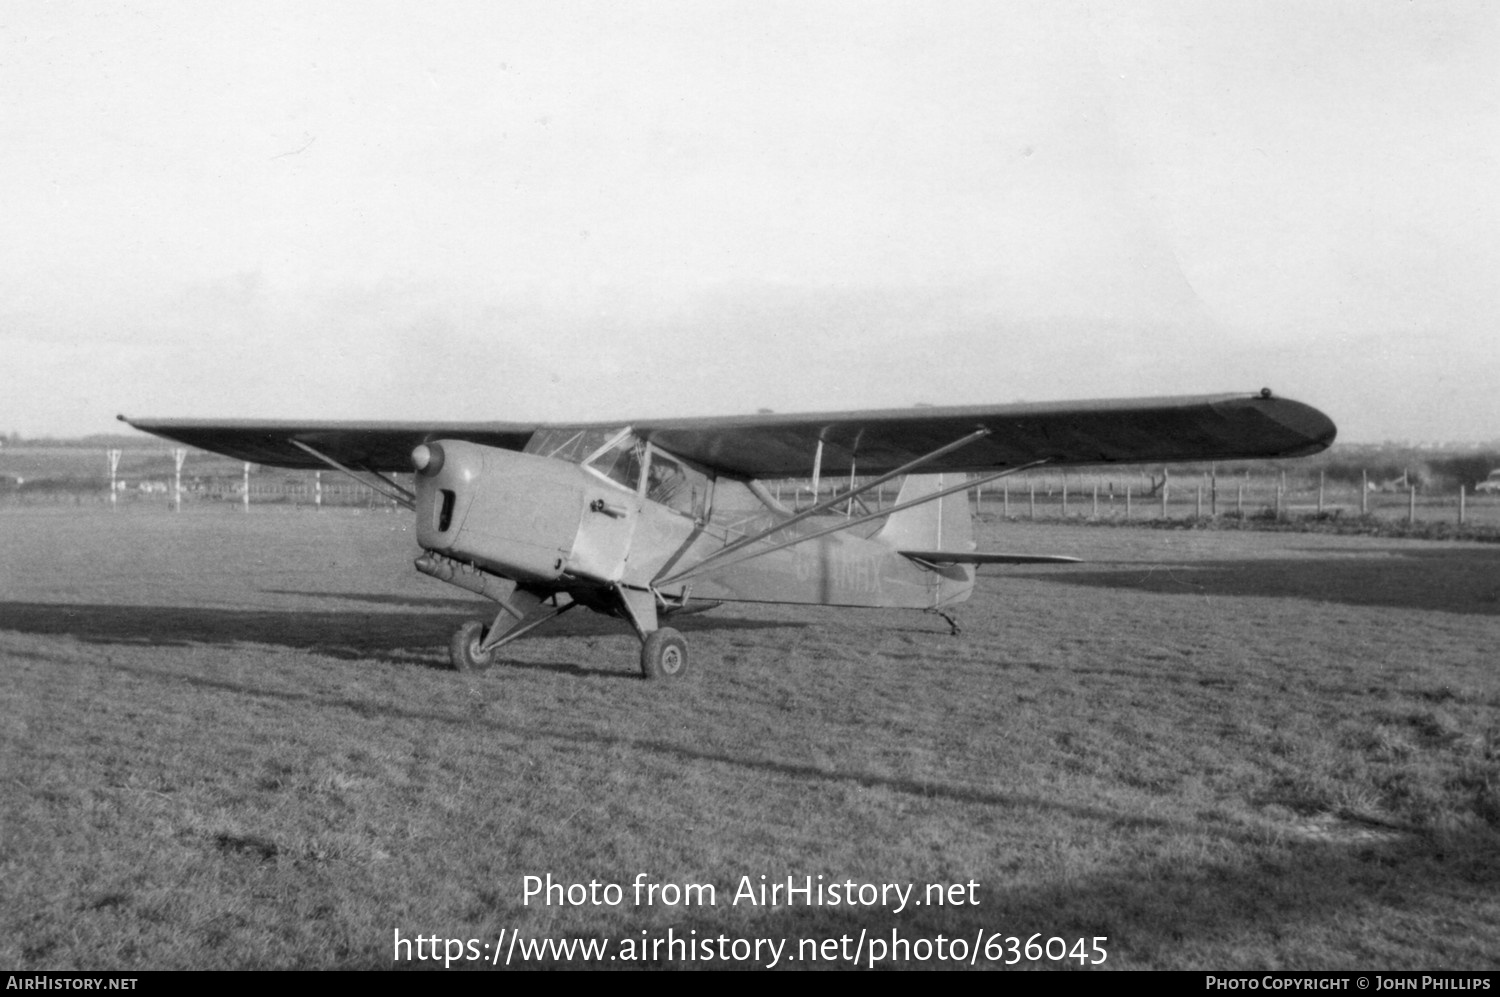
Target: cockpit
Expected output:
[621,457]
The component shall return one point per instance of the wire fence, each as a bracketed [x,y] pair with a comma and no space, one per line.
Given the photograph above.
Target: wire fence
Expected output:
[1086,495]
[1040,495]
[221,495]
[1272,497]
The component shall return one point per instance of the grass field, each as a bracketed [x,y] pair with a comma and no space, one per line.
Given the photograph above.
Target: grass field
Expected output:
[229,740]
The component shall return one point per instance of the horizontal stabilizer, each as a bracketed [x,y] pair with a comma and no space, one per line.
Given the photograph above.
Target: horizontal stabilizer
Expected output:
[985,557]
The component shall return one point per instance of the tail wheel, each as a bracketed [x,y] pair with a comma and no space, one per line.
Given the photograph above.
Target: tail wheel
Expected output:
[664,655]
[463,649]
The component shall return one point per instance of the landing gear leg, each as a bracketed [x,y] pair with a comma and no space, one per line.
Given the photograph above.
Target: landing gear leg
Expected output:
[953,628]
[473,648]
[663,650]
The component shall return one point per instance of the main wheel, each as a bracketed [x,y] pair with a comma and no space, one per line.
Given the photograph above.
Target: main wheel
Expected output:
[463,649]
[664,655]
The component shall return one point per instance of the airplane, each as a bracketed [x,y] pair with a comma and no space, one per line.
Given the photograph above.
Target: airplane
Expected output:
[645,519]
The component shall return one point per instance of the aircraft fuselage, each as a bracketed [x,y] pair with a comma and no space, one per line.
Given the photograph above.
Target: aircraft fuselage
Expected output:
[552,525]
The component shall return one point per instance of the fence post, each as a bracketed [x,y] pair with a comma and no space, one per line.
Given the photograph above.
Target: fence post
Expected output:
[1198,511]
[1164,487]
[1096,500]
[1461,490]
[1213,490]
[1239,500]
[114,466]
[1127,503]
[179,454]
[1280,484]
[247,486]
[1005,497]
[1411,504]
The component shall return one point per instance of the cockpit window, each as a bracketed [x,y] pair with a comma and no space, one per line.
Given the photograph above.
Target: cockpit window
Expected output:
[620,459]
[572,445]
[677,485]
[615,453]
[621,456]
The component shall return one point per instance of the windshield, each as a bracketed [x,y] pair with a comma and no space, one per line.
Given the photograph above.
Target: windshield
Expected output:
[572,445]
[622,457]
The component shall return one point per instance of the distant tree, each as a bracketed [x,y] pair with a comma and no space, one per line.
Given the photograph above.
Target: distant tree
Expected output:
[1465,470]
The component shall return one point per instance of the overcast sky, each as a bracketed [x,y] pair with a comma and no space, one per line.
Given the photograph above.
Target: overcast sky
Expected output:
[558,211]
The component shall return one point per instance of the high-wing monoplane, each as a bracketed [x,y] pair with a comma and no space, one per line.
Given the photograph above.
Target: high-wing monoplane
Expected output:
[644,519]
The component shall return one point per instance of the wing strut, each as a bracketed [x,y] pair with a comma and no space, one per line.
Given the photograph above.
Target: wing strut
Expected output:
[704,564]
[907,468]
[392,491]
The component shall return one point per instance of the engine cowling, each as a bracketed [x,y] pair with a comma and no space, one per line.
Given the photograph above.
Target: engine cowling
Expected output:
[525,517]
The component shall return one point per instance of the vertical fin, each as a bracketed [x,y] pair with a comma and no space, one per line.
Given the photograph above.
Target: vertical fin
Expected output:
[942,524]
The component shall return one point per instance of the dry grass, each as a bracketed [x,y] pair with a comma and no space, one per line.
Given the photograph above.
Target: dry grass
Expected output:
[227,741]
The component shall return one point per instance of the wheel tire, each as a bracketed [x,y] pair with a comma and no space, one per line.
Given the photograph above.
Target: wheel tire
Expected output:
[463,649]
[664,655]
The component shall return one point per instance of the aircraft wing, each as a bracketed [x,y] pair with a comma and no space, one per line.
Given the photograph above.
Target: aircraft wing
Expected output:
[1146,430]
[372,446]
